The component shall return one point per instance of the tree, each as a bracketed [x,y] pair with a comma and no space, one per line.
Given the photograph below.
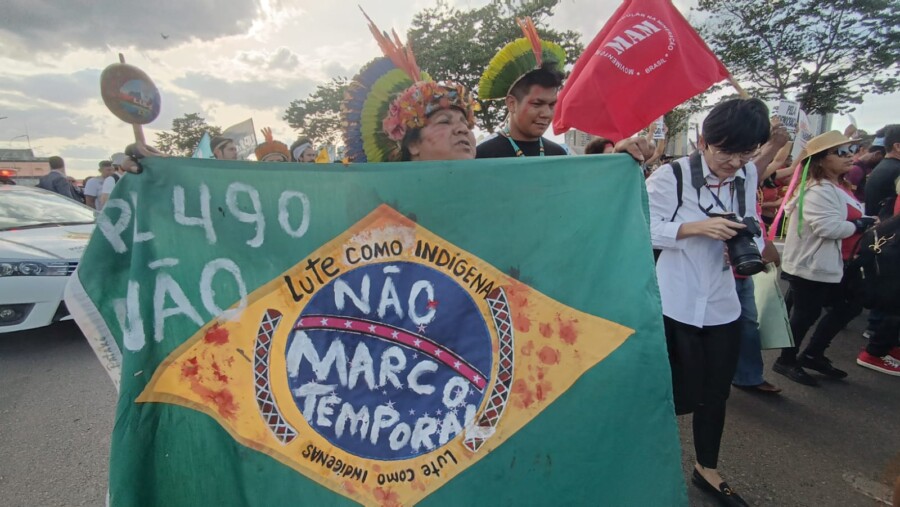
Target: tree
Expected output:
[185,135]
[318,117]
[457,45]
[826,54]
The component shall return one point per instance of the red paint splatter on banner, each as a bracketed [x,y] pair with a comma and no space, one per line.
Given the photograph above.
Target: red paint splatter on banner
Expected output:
[567,330]
[522,396]
[517,294]
[549,355]
[540,374]
[348,487]
[216,335]
[528,348]
[387,498]
[542,390]
[222,399]
[218,373]
[190,368]
[520,320]
[546,329]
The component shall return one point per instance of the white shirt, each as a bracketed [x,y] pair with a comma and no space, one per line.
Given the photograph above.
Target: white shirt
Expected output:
[92,187]
[108,184]
[695,283]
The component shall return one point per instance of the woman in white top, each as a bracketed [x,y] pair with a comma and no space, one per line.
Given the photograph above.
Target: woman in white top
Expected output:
[700,304]
[825,224]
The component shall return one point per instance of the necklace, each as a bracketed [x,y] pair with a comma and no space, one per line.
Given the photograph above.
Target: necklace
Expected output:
[515,146]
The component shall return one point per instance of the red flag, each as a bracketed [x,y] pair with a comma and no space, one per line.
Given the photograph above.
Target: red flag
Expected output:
[645,61]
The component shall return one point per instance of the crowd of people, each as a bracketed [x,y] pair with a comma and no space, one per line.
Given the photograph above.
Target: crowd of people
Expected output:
[702,207]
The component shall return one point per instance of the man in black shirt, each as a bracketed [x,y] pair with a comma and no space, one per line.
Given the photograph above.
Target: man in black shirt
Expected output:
[530,103]
[883,183]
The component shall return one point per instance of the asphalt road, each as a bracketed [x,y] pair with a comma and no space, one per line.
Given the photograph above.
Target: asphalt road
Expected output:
[835,445]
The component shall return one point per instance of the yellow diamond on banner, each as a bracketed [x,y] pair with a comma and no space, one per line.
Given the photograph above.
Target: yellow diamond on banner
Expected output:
[385,363]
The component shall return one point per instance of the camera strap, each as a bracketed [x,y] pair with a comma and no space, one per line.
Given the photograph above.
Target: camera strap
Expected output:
[698,181]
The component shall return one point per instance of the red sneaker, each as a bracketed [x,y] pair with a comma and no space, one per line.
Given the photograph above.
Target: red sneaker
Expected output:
[887,364]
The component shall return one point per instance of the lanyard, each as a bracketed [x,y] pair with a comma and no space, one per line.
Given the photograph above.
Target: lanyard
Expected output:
[515,147]
[716,197]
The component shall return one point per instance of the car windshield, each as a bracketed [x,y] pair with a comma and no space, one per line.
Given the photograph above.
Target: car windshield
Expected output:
[21,208]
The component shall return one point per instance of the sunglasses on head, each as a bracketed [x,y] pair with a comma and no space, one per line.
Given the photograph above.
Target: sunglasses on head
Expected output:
[845,151]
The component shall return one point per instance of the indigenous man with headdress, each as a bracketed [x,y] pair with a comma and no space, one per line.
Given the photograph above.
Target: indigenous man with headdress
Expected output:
[395,112]
[527,73]
[272,150]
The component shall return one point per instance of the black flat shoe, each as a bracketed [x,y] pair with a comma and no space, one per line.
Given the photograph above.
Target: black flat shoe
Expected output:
[822,365]
[724,494]
[795,373]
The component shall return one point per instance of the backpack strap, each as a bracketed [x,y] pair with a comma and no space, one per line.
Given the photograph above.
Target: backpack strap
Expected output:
[679,186]
[739,182]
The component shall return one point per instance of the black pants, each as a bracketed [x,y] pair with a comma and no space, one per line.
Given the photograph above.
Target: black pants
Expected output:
[703,361]
[886,337]
[809,298]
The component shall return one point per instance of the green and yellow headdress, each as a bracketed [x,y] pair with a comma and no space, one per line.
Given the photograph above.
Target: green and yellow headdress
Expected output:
[517,59]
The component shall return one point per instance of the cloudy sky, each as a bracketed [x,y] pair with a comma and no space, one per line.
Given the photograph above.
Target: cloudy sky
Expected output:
[226,59]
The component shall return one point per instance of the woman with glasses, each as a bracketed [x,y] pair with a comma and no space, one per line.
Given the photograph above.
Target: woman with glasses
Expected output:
[700,300]
[824,225]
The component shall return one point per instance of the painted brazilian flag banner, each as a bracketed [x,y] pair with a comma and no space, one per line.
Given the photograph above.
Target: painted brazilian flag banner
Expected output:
[444,333]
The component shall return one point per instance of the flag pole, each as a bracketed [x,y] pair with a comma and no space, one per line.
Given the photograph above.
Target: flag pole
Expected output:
[741,91]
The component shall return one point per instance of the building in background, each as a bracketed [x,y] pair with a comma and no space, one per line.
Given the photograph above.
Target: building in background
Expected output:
[22,166]
[576,140]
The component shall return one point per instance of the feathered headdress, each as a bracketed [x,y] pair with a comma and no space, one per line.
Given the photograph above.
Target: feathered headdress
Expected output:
[517,59]
[272,150]
[389,96]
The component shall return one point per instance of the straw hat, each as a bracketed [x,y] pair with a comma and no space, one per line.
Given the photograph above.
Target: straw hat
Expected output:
[824,142]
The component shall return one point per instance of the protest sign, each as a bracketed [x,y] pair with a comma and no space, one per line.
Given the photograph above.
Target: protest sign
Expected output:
[244,136]
[788,112]
[659,129]
[383,334]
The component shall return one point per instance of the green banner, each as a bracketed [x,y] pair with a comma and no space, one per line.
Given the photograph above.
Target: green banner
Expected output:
[386,334]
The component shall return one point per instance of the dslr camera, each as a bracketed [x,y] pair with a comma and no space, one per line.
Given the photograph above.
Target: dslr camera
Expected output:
[742,251]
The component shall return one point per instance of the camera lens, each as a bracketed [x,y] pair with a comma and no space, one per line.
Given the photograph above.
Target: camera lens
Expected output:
[744,255]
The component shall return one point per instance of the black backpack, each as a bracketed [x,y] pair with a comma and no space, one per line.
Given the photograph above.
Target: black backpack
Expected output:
[874,274]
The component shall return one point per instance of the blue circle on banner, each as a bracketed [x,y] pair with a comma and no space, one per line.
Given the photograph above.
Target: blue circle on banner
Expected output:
[389,361]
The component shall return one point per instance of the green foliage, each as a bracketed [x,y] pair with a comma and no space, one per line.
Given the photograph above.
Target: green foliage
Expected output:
[826,54]
[451,45]
[318,117]
[185,135]
[456,45]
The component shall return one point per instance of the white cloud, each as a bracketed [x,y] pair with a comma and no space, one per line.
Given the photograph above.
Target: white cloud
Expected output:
[29,26]
[227,60]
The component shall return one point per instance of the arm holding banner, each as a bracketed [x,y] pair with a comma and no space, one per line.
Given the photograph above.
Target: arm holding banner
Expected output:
[773,149]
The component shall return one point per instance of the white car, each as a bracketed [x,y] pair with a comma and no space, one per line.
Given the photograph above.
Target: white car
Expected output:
[42,237]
